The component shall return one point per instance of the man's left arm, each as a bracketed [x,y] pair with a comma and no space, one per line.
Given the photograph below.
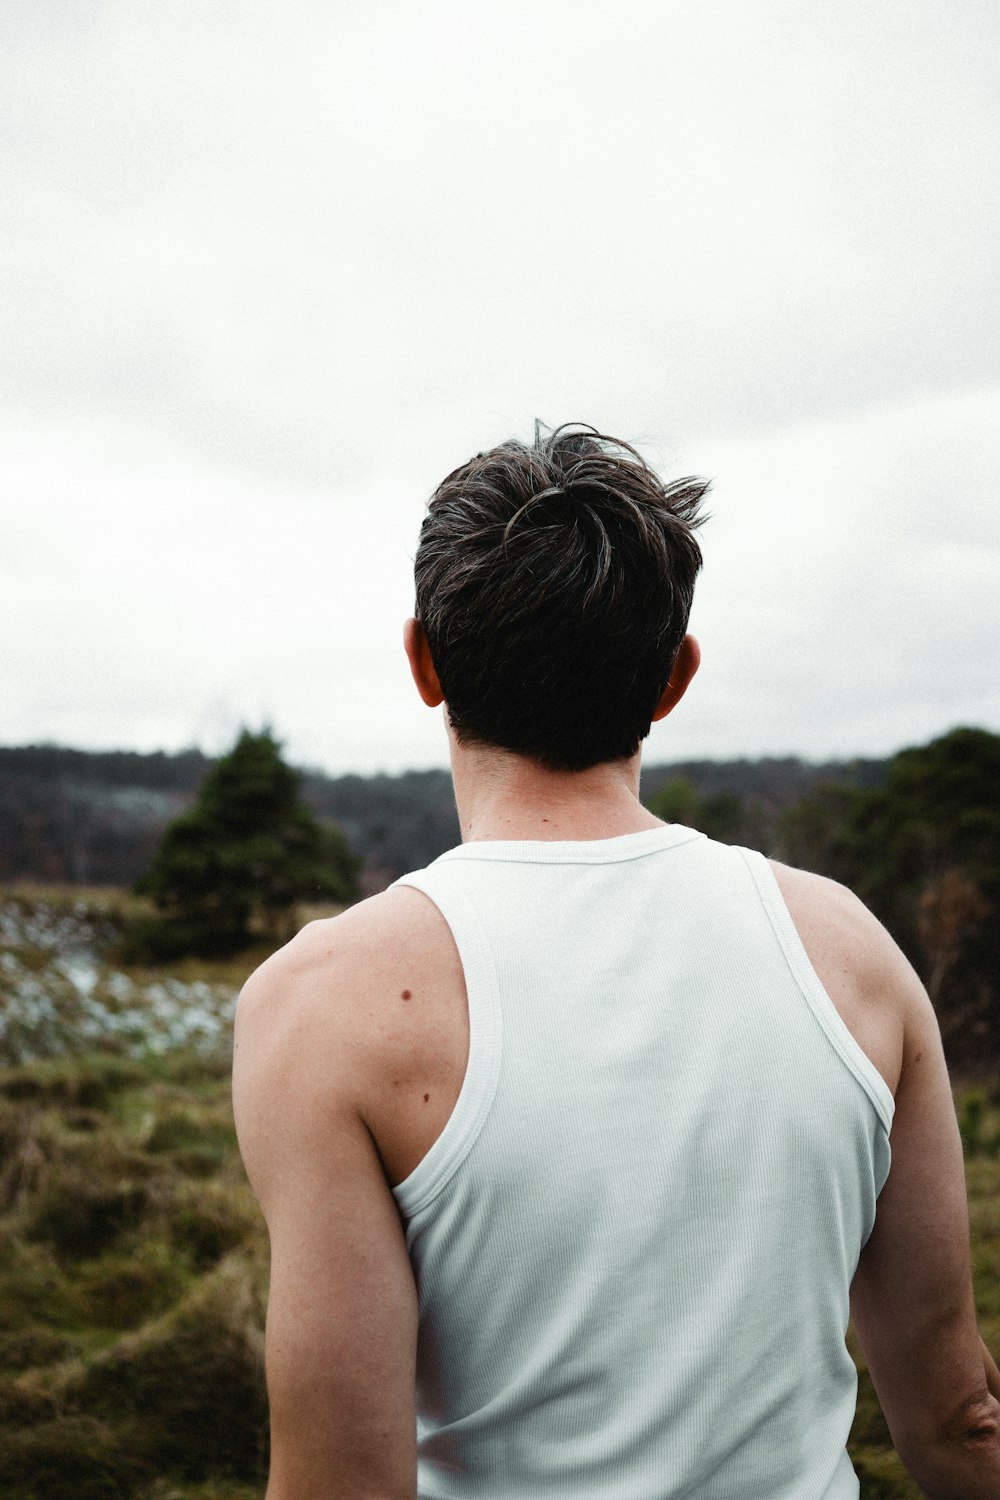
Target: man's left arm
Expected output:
[342,1314]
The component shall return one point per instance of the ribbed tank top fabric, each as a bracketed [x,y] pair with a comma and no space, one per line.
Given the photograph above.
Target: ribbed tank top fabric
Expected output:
[634,1239]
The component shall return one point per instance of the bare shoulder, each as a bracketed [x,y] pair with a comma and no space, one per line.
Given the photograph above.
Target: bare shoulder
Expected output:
[338,974]
[869,979]
[342,1310]
[358,947]
[357,1016]
[826,909]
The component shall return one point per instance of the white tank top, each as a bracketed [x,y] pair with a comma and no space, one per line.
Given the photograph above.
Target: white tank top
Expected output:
[634,1240]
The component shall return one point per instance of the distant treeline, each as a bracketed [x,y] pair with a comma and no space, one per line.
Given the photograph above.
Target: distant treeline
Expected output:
[917,837]
[95,817]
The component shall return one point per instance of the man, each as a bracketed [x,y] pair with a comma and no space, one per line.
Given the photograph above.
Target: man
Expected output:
[569,1145]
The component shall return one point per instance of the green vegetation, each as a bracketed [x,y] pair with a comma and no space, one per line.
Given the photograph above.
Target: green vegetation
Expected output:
[236,864]
[921,847]
[132,1277]
[725,815]
[132,1285]
[96,817]
[132,1257]
[924,853]
[133,1263]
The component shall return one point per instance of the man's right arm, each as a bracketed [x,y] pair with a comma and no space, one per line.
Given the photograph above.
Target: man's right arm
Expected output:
[912,1298]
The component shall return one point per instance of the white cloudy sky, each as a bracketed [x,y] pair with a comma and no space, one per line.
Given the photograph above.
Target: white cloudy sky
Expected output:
[267,272]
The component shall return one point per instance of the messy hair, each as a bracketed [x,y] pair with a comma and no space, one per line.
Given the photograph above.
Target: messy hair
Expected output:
[554,582]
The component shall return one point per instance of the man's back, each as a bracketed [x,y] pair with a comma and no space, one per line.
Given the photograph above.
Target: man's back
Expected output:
[634,1239]
[379,997]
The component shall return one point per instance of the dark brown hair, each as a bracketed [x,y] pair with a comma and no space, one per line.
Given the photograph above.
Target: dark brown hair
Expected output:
[554,583]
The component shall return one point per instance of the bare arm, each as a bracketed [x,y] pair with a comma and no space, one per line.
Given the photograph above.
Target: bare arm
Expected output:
[341,1322]
[912,1298]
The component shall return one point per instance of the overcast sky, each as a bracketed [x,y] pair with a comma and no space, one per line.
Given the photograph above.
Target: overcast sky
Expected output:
[268,272]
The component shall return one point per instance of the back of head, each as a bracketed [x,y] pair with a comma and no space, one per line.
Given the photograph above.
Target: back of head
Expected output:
[554,583]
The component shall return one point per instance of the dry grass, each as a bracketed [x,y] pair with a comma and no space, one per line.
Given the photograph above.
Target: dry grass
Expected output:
[105,898]
[133,1262]
[132,1258]
[132,1276]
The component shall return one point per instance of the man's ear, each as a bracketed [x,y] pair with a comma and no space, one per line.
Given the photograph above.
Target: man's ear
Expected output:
[418,654]
[685,666]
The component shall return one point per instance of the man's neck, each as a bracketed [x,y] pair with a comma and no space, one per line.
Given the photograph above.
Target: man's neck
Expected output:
[501,795]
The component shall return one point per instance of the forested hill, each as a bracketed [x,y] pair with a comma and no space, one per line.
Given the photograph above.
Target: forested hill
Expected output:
[89,817]
[917,837]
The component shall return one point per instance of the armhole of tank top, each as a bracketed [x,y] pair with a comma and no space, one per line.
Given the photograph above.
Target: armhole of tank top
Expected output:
[482,1071]
[850,1051]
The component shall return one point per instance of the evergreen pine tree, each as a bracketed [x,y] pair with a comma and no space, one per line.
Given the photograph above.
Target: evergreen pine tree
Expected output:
[234,865]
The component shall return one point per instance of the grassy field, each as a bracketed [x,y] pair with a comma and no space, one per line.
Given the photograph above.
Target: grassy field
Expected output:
[132,1260]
